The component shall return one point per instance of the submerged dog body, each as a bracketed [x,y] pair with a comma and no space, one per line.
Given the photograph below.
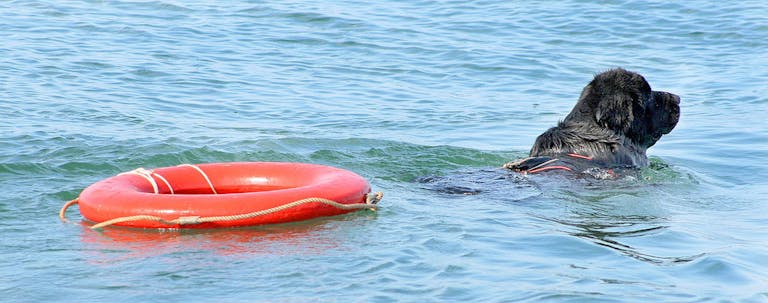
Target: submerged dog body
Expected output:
[616,119]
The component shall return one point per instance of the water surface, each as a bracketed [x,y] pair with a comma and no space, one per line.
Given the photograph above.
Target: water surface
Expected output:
[393,90]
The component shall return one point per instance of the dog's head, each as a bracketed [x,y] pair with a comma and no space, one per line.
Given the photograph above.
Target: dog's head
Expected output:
[622,101]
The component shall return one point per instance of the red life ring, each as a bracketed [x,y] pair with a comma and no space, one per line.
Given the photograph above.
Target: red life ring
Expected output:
[220,190]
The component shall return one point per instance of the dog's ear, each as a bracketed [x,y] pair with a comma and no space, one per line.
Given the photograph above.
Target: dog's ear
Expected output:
[615,110]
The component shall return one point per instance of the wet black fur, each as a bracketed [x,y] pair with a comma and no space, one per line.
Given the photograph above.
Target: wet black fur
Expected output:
[616,119]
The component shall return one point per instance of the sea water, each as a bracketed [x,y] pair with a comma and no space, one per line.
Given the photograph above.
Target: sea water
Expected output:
[393,90]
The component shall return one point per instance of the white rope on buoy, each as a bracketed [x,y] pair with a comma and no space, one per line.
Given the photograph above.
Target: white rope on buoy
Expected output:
[164,181]
[204,176]
[149,175]
[146,174]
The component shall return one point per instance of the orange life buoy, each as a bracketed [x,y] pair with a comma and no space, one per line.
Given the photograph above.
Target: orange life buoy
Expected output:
[220,190]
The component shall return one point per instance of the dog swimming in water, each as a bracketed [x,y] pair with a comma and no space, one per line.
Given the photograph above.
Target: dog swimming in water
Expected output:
[616,119]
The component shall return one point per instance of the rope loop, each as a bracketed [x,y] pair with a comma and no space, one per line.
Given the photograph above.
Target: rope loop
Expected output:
[63,211]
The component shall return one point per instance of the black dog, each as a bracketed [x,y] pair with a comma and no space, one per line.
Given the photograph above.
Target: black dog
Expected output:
[616,119]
